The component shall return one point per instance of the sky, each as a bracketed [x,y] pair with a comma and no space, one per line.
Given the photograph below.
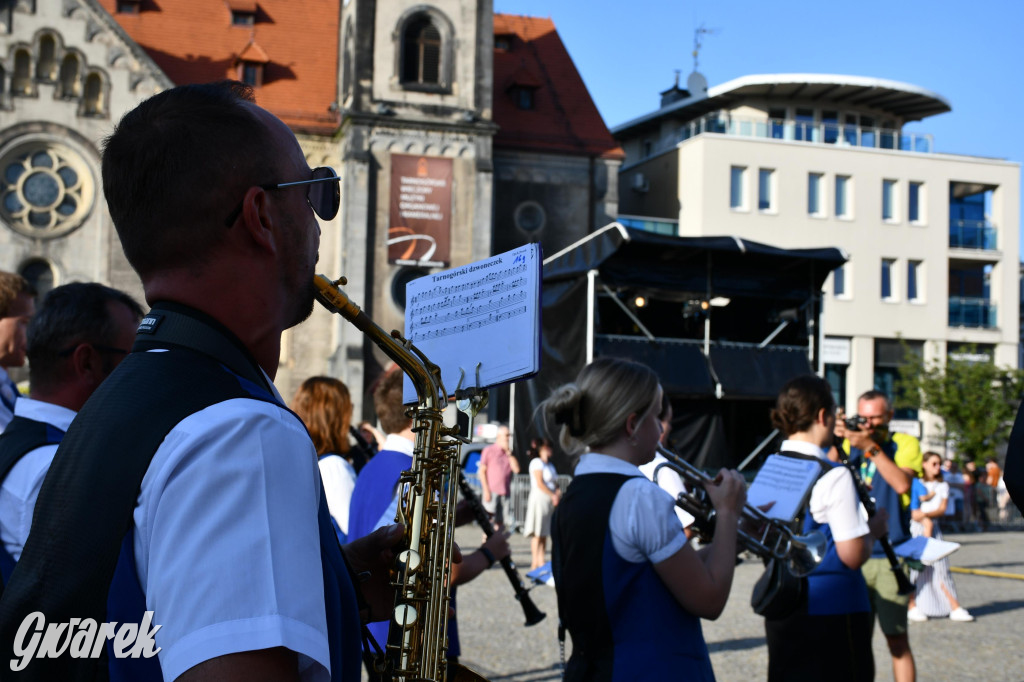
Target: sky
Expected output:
[970,53]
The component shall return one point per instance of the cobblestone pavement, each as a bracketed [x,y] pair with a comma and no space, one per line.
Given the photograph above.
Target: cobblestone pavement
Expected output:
[495,642]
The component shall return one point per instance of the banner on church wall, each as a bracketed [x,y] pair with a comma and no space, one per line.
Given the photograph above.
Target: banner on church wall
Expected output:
[419,219]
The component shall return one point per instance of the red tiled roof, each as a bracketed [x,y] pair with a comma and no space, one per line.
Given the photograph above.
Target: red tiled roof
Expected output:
[564,118]
[193,41]
[253,53]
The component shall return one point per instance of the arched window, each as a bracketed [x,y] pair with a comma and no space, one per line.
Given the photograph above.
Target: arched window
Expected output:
[94,95]
[421,52]
[21,84]
[39,274]
[70,83]
[46,66]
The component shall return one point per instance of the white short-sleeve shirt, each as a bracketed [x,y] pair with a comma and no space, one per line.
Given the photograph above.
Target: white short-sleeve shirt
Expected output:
[339,479]
[227,544]
[670,482]
[20,489]
[834,498]
[643,524]
[548,474]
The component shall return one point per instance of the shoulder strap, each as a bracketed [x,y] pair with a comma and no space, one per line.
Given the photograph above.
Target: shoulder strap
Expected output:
[86,502]
[21,437]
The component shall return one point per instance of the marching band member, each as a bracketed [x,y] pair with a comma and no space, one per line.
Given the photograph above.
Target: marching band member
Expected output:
[831,629]
[631,590]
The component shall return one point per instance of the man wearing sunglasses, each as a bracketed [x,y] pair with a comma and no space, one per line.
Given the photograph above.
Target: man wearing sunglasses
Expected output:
[229,546]
[81,333]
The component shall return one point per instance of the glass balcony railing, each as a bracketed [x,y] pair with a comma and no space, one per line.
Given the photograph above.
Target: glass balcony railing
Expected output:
[972,312]
[655,225]
[972,234]
[833,133]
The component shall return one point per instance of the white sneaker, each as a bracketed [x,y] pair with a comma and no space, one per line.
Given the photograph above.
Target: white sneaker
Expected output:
[915,614]
[961,615]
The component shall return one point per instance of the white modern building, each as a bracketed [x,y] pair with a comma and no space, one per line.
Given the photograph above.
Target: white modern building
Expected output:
[807,160]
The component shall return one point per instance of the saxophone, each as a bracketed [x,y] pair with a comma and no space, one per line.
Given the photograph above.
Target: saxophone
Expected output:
[418,633]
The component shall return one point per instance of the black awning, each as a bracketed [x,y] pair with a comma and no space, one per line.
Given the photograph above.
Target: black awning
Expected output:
[750,372]
[682,368]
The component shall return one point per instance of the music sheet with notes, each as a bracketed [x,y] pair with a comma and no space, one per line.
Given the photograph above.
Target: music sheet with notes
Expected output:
[486,312]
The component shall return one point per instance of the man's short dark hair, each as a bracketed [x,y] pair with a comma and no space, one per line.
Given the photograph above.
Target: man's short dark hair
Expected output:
[11,286]
[71,314]
[176,165]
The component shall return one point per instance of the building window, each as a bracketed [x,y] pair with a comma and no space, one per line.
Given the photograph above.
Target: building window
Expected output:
[890,356]
[888,273]
[46,65]
[915,272]
[242,18]
[39,274]
[737,188]
[840,285]
[503,43]
[830,126]
[46,190]
[914,202]
[529,217]
[835,375]
[421,63]
[766,189]
[777,123]
[70,84]
[814,199]
[94,99]
[888,200]
[252,74]
[128,6]
[843,196]
[804,129]
[21,82]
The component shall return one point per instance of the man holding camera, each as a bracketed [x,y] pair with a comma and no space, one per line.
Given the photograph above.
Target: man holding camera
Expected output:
[888,463]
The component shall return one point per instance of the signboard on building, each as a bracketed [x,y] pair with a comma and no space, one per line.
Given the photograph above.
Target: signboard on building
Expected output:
[419,219]
[835,351]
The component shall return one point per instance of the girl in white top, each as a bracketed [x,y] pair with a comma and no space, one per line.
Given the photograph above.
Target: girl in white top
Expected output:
[544,497]
[935,593]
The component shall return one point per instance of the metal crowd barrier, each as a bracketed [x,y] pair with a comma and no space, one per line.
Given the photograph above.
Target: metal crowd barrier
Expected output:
[518,494]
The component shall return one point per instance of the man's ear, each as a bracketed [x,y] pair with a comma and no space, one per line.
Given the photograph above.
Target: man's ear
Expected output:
[256,218]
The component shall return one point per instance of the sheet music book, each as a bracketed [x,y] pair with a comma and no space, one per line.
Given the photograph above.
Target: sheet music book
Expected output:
[786,481]
[486,312]
[926,550]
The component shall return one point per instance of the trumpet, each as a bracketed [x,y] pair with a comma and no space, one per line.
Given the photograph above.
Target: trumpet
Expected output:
[775,540]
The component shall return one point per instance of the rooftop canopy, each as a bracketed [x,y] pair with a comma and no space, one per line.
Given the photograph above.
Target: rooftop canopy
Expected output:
[908,102]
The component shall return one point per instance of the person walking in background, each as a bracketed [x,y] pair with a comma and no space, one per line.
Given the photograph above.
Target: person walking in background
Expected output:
[497,465]
[544,497]
[17,304]
[631,590]
[935,594]
[80,334]
[325,407]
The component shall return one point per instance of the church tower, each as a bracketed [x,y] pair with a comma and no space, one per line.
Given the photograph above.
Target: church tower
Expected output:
[415,98]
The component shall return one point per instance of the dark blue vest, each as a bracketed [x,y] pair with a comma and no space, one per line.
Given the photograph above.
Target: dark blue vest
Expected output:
[886,498]
[21,437]
[625,624]
[78,561]
[833,588]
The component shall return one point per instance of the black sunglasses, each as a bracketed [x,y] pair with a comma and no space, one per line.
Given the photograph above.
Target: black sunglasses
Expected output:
[324,199]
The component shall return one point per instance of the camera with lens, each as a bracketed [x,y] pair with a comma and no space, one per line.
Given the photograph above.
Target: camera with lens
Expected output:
[855,423]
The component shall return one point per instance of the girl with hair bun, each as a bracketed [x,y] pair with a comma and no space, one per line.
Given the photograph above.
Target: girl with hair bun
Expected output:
[631,590]
[828,636]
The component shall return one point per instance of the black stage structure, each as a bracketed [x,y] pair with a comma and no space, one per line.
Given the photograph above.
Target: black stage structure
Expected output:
[724,321]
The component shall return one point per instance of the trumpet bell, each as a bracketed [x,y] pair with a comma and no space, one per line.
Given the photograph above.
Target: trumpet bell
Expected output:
[806,552]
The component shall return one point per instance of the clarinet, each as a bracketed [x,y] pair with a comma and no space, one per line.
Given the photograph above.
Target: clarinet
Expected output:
[530,610]
[903,582]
